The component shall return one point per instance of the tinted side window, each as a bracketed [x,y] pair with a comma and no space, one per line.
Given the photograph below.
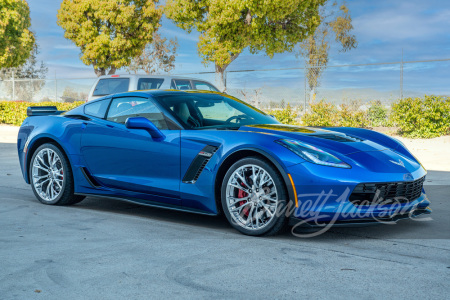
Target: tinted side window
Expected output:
[181,84]
[97,108]
[109,86]
[149,83]
[200,85]
[125,107]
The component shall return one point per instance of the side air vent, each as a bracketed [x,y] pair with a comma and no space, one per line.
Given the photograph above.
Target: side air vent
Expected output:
[343,138]
[89,178]
[198,164]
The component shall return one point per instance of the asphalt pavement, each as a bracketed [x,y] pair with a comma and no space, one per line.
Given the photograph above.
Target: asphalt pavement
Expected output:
[108,249]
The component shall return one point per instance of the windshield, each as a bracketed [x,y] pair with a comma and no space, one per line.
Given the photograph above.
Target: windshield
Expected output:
[209,111]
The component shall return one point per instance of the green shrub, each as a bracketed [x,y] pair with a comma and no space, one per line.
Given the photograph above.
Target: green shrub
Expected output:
[286,115]
[426,117]
[14,112]
[327,114]
[321,114]
[377,114]
[351,115]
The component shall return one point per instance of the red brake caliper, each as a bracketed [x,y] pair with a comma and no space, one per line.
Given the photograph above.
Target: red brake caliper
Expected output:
[242,194]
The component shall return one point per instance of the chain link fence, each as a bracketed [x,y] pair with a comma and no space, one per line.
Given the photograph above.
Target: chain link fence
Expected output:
[299,86]
[40,90]
[275,88]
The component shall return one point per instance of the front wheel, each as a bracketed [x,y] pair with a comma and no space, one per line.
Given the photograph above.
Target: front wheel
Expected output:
[254,197]
[51,176]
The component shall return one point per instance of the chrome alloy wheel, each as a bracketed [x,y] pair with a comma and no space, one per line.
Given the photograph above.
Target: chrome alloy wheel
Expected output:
[251,197]
[48,174]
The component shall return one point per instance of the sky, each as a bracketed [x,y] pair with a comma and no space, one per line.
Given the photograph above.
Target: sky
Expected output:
[382,27]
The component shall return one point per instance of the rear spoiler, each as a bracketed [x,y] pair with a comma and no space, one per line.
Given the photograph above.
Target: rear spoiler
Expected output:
[43,111]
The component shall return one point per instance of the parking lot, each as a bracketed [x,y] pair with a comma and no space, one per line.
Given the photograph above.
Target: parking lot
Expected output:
[104,249]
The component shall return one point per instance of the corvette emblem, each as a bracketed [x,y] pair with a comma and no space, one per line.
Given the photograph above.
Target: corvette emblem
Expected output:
[399,162]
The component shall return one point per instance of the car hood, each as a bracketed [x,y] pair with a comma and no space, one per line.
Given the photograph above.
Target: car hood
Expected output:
[335,141]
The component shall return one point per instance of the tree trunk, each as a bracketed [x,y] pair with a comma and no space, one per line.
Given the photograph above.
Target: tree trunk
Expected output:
[102,71]
[220,73]
[112,71]
[99,71]
[220,78]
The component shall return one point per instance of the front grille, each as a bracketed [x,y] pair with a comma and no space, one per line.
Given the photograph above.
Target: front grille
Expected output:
[387,193]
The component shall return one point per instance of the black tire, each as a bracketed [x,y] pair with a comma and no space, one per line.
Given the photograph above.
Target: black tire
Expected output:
[279,221]
[66,194]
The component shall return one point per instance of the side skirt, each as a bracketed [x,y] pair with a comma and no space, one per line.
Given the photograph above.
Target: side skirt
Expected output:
[151,204]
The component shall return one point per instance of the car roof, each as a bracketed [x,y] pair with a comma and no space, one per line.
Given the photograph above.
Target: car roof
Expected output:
[148,76]
[165,93]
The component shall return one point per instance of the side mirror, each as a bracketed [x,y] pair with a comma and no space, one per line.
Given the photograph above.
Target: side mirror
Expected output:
[145,124]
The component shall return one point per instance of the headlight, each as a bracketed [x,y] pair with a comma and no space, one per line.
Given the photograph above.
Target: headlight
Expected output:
[313,154]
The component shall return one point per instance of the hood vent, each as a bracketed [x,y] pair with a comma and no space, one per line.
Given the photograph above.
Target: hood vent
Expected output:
[342,138]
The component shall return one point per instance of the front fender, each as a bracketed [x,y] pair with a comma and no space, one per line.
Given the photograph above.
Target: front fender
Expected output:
[274,159]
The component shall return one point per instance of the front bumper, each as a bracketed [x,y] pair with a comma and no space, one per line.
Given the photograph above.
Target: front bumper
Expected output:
[361,222]
[323,197]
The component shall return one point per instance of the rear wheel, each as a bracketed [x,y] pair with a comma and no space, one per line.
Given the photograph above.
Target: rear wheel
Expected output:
[254,197]
[51,176]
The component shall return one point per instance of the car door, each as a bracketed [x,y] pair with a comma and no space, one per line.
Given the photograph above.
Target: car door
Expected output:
[129,159]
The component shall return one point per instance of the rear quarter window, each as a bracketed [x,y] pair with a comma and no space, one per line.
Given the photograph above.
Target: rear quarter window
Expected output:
[97,109]
[108,86]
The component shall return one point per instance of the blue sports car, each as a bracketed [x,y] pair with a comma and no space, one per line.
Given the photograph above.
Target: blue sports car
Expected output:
[210,153]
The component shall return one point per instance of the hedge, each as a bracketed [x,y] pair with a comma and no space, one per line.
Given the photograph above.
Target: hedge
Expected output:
[328,114]
[425,117]
[287,115]
[14,112]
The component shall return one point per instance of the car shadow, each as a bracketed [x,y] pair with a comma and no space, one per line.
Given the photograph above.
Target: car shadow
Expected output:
[154,213]
[424,227]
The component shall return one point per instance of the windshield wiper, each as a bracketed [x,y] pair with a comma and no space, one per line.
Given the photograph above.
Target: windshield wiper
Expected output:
[229,128]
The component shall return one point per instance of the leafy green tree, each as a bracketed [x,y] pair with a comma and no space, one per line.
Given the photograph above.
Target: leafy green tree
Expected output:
[336,26]
[158,56]
[109,33]
[227,27]
[16,39]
